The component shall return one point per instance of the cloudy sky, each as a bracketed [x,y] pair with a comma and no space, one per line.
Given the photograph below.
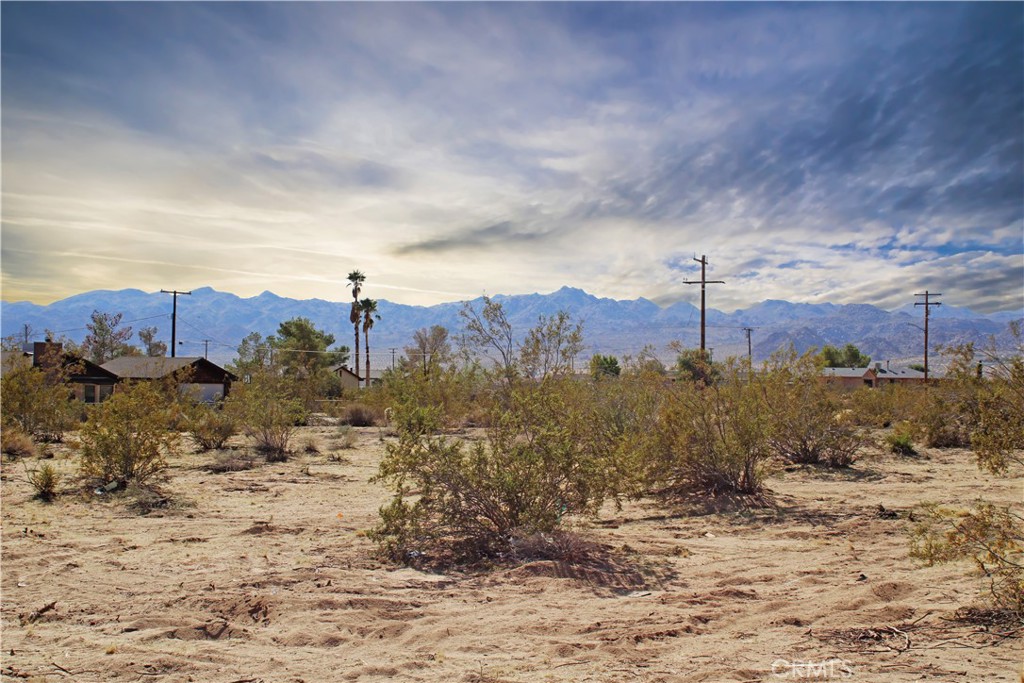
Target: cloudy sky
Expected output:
[851,153]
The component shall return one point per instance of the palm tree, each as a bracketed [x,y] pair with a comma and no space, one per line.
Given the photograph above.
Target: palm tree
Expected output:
[355,281]
[369,309]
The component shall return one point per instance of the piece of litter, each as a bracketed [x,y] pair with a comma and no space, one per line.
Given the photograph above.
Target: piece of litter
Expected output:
[709,535]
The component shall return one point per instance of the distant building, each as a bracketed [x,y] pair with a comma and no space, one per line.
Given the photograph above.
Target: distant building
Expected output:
[89,382]
[349,379]
[205,380]
[850,378]
[877,376]
[353,380]
[888,375]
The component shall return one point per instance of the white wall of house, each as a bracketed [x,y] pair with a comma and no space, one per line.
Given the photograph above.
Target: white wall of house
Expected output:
[204,393]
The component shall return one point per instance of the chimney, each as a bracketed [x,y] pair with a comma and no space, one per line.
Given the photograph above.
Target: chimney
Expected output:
[46,354]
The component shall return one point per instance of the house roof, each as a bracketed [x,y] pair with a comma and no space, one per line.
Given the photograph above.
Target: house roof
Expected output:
[150,367]
[343,367]
[852,373]
[899,373]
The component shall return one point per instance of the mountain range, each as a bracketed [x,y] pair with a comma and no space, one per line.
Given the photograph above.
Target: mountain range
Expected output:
[213,323]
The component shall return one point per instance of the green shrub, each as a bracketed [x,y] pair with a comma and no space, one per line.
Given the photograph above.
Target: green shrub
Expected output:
[209,426]
[44,480]
[463,395]
[901,440]
[713,438]
[988,409]
[886,405]
[267,409]
[37,402]
[127,438]
[463,502]
[809,424]
[991,536]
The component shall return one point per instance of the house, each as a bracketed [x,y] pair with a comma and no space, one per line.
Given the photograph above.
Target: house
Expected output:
[352,380]
[349,379]
[196,375]
[90,383]
[850,378]
[888,375]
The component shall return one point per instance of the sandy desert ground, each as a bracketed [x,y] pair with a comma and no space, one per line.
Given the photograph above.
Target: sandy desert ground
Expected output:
[265,575]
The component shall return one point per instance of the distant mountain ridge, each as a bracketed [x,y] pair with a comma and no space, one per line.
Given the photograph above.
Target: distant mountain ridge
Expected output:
[618,327]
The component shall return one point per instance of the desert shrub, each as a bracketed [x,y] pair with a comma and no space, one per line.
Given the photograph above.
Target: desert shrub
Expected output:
[991,536]
[16,443]
[624,419]
[997,437]
[462,394]
[359,415]
[44,480]
[901,440]
[950,409]
[208,426]
[127,438]
[886,405]
[809,424]
[540,462]
[345,437]
[712,438]
[969,409]
[989,410]
[230,462]
[267,410]
[37,401]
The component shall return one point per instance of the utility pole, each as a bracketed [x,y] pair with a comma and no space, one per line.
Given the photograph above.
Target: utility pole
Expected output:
[206,348]
[174,317]
[927,303]
[703,282]
[393,358]
[750,356]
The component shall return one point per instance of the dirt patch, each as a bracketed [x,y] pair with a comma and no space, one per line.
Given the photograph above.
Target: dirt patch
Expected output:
[267,575]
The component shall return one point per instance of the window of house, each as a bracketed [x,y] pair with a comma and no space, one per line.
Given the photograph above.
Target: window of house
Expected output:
[105,390]
[89,393]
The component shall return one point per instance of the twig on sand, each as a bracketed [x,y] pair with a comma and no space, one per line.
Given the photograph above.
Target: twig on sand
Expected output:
[61,668]
[559,666]
[38,613]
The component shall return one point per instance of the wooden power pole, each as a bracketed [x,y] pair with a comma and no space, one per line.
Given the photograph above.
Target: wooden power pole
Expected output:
[174,317]
[927,303]
[750,355]
[703,282]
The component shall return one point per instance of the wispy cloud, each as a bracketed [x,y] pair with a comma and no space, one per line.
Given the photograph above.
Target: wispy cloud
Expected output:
[837,152]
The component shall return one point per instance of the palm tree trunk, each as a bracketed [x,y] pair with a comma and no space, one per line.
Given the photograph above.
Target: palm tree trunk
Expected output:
[366,339]
[357,353]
